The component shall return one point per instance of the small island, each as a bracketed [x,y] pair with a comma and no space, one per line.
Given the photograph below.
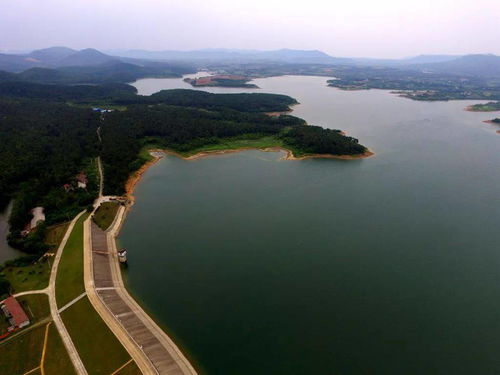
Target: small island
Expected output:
[222,80]
[486,107]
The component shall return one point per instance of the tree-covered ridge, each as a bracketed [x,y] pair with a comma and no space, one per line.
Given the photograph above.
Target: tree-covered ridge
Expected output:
[110,72]
[105,93]
[122,94]
[245,102]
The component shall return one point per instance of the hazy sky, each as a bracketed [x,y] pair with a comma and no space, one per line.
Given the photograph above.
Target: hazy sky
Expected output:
[376,28]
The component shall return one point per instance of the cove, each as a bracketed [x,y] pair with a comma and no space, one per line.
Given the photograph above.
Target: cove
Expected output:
[388,265]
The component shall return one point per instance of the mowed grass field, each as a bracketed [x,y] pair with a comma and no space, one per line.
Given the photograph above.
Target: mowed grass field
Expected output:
[22,352]
[239,142]
[99,349]
[57,360]
[36,276]
[69,281]
[32,277]
[55,234]
[105,214]
[36,306]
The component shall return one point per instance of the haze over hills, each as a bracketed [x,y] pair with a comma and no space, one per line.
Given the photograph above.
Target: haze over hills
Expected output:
[237,55]
[483,65]
[470,65]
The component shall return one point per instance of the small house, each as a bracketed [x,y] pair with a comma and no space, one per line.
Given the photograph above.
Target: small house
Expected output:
[81,180]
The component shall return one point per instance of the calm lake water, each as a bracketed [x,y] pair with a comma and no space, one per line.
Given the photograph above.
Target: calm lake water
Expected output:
[6,252]
[388,265]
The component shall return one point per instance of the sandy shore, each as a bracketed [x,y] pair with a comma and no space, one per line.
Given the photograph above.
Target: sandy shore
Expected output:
[137,175]
[289,154]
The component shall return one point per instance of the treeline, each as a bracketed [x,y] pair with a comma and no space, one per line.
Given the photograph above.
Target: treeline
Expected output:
[181,129]
[43,146]
[122,94]
[317,140]
[246,102]
[108,93]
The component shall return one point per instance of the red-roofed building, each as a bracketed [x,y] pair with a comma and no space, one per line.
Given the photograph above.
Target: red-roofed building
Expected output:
[81,180]
[15,313]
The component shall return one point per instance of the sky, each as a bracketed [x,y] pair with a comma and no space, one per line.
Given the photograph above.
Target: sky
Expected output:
[347,28]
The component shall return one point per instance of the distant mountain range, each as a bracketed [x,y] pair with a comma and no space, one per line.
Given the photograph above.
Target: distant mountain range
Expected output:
[469,65]
[236,56]
[54,57]
[59,57]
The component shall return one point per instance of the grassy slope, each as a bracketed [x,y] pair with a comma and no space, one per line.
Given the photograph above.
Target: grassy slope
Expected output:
[233,143]
[100,350]
[57,360]
[32,277]
[105,214]
[36,276]
[36,306]
[23,353]
[239,142]
[69,281]
[130,369]
[55,234]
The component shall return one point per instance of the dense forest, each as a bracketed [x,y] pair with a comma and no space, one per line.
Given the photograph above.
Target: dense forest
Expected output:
[43,146]
[316,140]
[126,95]
[47,140]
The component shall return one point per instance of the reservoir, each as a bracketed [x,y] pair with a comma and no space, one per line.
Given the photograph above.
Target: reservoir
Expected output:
[387,265]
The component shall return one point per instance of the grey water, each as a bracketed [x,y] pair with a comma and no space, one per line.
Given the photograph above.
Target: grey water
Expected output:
[6,252]
[387,265]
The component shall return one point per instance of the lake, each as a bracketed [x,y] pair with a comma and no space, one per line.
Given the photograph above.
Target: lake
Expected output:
[387,265]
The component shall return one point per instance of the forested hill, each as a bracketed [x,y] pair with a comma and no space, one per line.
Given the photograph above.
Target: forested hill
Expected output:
[114,71]
[43,146]
[254,102]
[122,94]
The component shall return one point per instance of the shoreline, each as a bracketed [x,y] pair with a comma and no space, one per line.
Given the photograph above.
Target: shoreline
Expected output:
[155,153]
[470,108]
[491,122]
